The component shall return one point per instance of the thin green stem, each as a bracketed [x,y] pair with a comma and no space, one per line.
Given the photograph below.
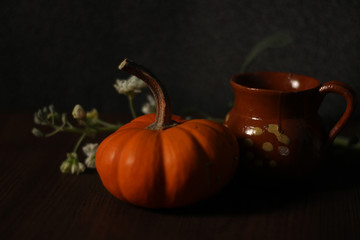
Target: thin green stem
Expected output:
[272,41]
[78,130]
[52,118]
[79,142]
[69,124]
[54,132]
[52,115]
[345,142]
[107,128]
[57,129]
[341,141]
[62,129]
[131,106]
[106,124]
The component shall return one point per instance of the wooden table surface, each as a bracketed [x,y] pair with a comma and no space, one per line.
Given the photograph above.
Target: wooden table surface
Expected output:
[38,202]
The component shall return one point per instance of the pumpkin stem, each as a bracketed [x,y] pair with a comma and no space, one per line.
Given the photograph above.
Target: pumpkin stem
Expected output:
[163,109]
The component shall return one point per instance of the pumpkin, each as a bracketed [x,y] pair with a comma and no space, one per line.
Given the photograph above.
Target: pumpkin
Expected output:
[162,161]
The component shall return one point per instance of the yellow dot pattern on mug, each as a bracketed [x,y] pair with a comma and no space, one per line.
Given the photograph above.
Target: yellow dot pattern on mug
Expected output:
[274,129]
[284,151]
[267,147]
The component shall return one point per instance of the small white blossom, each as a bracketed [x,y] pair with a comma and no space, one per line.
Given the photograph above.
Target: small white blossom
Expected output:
[130,86]
[149,106]
[43,116]
[37,132]
[77,168]
[72,165]
[65,167]
[78,112]
[90,151]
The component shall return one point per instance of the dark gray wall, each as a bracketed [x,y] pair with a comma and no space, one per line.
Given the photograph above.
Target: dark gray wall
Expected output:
[67,52]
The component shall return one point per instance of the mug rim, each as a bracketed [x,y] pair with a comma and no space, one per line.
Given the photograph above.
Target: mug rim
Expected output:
[233,81]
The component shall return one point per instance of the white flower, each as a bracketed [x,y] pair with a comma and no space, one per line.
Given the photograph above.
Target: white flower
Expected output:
[78,112]
[90,151]
[130,86]
[42,116]
[37,132]
[65,167]
[72,165]
[77,168]
[149,106]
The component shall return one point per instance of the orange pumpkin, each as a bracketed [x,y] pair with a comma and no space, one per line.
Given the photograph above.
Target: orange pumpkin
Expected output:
[162,161]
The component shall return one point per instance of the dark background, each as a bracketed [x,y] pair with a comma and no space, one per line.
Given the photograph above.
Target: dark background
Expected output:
[67,52]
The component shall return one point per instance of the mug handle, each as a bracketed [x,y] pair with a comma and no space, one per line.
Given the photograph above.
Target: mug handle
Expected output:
[349,95]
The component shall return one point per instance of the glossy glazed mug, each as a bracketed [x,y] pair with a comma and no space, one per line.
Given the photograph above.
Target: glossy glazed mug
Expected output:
[275,118]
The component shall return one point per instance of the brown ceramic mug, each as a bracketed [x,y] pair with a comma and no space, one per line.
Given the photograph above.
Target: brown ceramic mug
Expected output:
[275,117]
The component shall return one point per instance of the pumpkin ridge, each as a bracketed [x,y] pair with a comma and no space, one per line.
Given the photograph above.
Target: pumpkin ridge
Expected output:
[164,153]
[196,142]
[187,129]
[121,159]
[216,132]
[104,147]
[153,159]
[218,129]
[163,173]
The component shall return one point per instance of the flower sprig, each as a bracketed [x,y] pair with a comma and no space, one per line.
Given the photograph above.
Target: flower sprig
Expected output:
[347,143]
[130,87]
[88,123]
